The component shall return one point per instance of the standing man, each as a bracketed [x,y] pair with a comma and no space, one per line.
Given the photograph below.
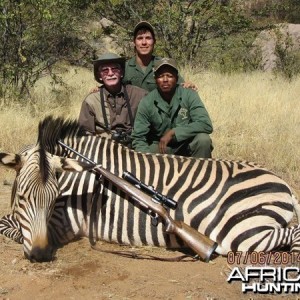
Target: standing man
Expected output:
[139,69]
[110,111]
[172,119]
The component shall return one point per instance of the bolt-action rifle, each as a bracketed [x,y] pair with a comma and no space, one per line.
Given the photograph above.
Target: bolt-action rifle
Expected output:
[198,242]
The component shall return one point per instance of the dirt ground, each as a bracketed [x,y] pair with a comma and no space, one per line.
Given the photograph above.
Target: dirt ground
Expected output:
[79,272]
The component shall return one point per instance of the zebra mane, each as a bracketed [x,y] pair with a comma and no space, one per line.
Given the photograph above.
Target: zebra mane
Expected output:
[51,130]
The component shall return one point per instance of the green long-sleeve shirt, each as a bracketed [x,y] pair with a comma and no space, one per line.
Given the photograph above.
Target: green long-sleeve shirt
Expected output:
[186,115]
[144,79]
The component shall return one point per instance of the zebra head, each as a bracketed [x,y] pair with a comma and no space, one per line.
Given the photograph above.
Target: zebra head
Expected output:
[35,191]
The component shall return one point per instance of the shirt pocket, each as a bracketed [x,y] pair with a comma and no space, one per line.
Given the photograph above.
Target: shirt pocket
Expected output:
[183,116]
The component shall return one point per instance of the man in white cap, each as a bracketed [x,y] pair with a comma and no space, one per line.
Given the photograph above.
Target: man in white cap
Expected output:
[110,111]
[172,119]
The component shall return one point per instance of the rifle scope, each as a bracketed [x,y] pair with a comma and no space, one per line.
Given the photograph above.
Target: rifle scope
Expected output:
[169,202]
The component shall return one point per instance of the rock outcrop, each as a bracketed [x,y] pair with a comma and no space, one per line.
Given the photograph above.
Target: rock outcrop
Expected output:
[285,35]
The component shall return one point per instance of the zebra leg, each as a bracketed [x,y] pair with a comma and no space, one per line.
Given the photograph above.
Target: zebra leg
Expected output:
[295,245]
[285,237]
[10,228]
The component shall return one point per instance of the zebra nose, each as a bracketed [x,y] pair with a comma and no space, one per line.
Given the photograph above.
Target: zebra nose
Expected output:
[38,254]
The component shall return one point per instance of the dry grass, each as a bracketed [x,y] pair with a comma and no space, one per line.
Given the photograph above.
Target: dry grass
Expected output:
[256,117]
[19,121]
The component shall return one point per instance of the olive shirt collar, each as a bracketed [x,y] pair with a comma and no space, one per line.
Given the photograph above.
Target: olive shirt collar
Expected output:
[132,63]
[169,108]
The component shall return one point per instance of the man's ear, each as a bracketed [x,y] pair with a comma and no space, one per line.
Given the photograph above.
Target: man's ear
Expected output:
[69,164]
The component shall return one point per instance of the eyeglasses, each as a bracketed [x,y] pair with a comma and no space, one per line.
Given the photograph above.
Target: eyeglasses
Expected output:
[105,70]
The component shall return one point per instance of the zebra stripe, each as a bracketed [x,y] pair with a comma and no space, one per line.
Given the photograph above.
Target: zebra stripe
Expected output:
[10,227]
[238,204]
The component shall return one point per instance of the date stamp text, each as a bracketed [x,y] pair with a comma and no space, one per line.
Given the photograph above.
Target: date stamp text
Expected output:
[262,258]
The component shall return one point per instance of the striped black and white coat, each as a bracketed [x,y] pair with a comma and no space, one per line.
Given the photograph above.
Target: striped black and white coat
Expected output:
[239,205]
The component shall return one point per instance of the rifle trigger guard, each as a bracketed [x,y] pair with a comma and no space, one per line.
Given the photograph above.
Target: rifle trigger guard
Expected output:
[154,218]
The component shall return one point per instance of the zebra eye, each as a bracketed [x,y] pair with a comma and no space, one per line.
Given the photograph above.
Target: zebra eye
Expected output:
[25,153]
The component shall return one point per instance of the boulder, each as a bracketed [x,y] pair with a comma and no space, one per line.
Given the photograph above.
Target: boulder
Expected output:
[286,35]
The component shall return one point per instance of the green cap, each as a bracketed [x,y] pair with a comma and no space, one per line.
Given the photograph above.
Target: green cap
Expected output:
[107,58]
[143,24]
[165,62]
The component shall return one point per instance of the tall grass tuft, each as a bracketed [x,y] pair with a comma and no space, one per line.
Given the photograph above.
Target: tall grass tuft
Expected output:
[19,120]
[256,116]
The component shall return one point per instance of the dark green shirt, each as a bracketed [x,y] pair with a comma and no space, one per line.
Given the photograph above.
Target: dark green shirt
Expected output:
[144,79]
[186,114]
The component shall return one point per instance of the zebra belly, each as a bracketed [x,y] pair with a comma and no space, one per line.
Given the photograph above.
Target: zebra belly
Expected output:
[235,225]
[253,225]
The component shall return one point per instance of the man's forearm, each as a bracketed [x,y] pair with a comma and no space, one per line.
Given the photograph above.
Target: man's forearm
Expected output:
[140,146]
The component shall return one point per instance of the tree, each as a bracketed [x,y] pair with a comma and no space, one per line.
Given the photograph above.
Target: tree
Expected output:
[35,34]
[187,25]
[278,11]
[182,26]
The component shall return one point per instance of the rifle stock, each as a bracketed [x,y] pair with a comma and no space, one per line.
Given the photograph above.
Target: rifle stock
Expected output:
[199,243]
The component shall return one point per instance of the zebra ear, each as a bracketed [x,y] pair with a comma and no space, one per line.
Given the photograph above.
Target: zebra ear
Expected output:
[69,164]
[11,160]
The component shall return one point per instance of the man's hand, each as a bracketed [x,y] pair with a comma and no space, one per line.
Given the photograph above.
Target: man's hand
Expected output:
[95,89]
[164,141]
[189,85]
